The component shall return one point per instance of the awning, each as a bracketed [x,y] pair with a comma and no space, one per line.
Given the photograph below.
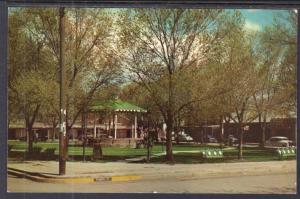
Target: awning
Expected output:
[211,126]
[116,105]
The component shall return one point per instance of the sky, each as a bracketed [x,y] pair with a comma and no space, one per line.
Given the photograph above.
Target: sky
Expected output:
[256,19]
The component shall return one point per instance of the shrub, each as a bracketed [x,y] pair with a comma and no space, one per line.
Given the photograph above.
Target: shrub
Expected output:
[36,150]
[35,153]
[49,152]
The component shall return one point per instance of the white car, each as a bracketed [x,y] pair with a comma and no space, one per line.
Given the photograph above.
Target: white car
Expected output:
[182,137]
[278,141]
[185,138]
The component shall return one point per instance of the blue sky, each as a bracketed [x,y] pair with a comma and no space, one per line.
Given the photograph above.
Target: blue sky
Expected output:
[255,19]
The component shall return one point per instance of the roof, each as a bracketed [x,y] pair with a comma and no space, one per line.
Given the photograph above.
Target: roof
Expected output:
[211,126]
[36,125]
[116,105]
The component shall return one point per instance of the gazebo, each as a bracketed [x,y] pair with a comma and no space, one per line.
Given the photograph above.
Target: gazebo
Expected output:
[116,107]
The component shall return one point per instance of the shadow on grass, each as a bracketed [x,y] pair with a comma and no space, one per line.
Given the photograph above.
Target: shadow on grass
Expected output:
[42,156]
[183,158]
[254,154]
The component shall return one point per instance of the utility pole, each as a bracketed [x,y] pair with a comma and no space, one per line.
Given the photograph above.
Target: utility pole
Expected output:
[62,104]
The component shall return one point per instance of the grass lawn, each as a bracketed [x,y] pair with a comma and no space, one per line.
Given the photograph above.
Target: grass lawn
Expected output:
[184,153]
[111,151]
[253,154]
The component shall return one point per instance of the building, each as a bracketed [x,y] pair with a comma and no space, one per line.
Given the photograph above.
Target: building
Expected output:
[275,127]
[114,119]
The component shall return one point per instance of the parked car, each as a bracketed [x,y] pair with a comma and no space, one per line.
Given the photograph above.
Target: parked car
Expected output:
[161,138]
[43,138]
[24,138]
[211,139]
[89,138]
[185,138]
[279,141]
[232,140]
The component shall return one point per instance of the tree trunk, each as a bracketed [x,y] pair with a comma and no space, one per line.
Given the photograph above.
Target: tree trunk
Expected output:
[240,155]
[222,132]
[29,125]
[202,136]
[109,125]
[149,139]
[169,150]
[83,136]
[170,119]
[176,136]
[54,124]
[53,134]
[30,140]
[177,129]
[261,129]
[97,151]
[264,127]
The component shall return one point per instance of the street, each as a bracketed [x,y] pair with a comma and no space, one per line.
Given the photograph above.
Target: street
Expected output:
[268,184]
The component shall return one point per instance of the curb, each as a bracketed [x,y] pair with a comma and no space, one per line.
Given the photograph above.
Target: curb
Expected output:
[47,179]
[37,177]
[123,178]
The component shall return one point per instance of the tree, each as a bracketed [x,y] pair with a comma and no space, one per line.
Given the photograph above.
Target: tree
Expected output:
[283,36]
[49,111]
[28,65]
[161,45]
[264,91]
[238,66]
[90,61]
[276,70]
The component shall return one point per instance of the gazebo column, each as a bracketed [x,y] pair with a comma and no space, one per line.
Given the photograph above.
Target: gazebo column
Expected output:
[135,125]
[95,129]
[132,131]
[116,126]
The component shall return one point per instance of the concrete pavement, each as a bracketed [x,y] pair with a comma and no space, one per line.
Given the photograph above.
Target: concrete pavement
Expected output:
[263,184]
[104,171]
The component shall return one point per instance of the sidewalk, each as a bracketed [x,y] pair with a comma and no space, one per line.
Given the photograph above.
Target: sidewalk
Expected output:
[120,171]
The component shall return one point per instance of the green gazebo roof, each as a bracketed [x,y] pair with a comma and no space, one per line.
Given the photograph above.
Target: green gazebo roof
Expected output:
[116,105]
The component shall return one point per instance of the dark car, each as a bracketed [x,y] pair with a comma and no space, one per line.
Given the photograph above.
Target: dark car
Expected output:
[24,138]
[211,139]
[43,138]
[232,140]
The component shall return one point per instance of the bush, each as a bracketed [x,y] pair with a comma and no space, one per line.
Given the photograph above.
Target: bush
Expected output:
[35,153]
[36,150]
[140,145]
[50,152]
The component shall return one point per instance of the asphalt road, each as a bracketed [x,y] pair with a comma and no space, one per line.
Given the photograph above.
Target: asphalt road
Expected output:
[269,184]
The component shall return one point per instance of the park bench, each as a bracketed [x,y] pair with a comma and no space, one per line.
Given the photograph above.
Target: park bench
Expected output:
[212,154]
[285,153]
